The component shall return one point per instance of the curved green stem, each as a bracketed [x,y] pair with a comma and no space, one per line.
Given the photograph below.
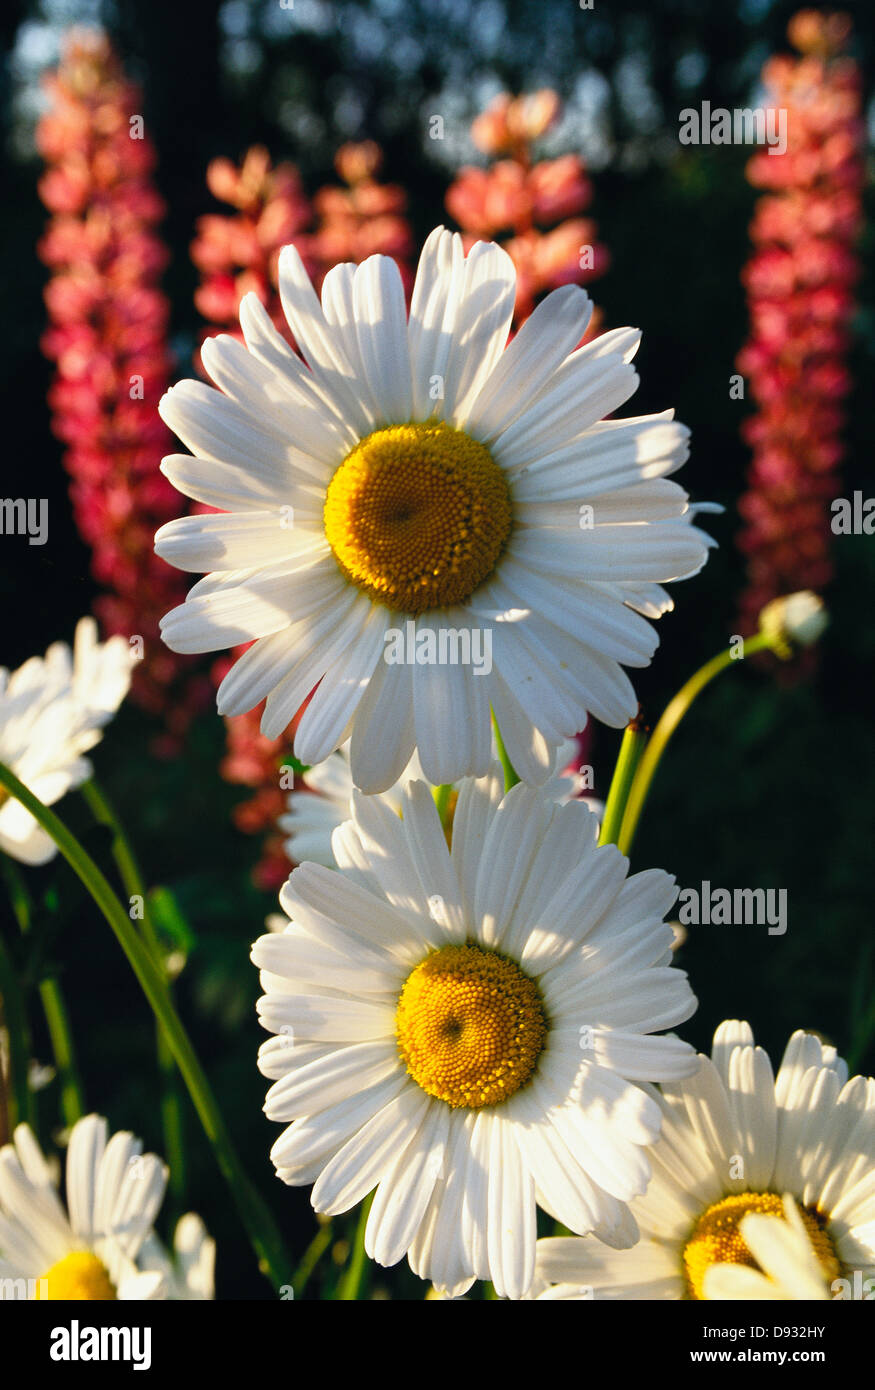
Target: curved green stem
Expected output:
[122,851]
[131,877]
[311,1257]
[353,1282]
[628,759]
[61,1034]
[54,1008]
[254,1214]
[668,722]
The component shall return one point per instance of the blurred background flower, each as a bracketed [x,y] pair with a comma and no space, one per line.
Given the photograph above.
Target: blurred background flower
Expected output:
[800,284]
[107,336]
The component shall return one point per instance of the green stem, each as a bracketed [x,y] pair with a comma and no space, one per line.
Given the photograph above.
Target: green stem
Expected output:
[510,776]
[122,851]
[58,1021]
[631,748]
[171,1100]
[20,1098]
[254,1214]
[442,796]
[54,1008]
[311,1257]
[352,1284]
[668,722]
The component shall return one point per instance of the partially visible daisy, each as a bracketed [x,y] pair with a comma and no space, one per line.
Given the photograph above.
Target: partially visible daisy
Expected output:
[52,711]
[462,1029]
[88,1250]
[189,1273]
[422,476]
[736,1140]
[786,1264]
[101,673]
[317,810]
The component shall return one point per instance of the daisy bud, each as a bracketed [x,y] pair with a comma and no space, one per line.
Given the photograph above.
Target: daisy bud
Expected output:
[794,619]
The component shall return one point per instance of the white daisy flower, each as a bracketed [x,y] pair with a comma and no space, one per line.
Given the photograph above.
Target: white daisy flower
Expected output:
[52,711]
[786,1265]
[734,1140]
[101,673]
[317,810]
[423,520]
[189,1273]
[89,1250]
[462,1029]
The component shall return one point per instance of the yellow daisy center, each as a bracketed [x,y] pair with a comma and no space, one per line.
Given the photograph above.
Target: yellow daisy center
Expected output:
[716,1239]
[470,1026]
[417,516]
[77,1276]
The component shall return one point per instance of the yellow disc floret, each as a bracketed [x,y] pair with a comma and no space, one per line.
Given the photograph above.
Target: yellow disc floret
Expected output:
[716,1239]
[417,516]
[470,1026]
[80,1275]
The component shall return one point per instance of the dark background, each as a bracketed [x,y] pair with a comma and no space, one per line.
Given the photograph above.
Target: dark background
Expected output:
[764,786]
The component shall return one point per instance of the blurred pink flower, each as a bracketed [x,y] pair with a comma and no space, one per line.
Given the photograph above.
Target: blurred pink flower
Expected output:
[799,282]
[107,338]
[517,202]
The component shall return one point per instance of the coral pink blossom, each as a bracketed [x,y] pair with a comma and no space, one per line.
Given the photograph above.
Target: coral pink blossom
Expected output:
[800,289]
[108,340]
[532,209]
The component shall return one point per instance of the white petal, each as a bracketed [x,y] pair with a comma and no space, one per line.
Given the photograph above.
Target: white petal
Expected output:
[405,1191]
[365,1158]
[343,686]
[451,710]
[383,733]
[381,327]
[549,334]
[436,292]
[480,328]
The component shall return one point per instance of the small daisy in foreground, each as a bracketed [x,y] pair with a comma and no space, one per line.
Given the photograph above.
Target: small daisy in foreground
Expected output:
[786,1264]
[89,1250]
[317,810]
[189,1273]
[52,711]
[462,1029]
[736,1140]
[423,520]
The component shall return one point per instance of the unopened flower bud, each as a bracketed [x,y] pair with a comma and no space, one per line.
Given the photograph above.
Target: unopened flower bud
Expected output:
[794,619]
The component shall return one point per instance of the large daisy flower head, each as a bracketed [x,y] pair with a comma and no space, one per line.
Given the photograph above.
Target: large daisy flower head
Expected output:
[462,1029]
[52,711]
[738,1141]
[88,1250]
[423,520]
